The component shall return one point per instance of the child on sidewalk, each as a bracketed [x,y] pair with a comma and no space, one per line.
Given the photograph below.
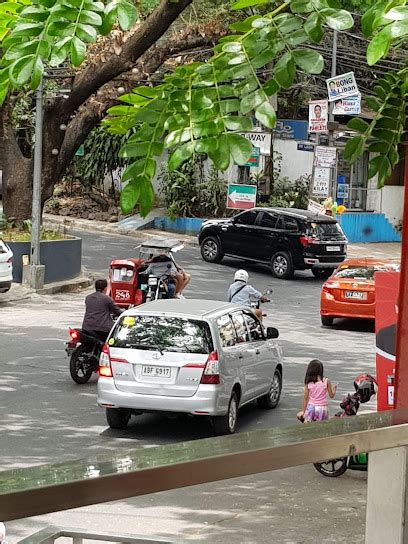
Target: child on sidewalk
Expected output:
[315,402]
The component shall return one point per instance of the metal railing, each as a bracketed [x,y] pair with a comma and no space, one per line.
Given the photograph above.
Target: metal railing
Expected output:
[52,533]
[49,488]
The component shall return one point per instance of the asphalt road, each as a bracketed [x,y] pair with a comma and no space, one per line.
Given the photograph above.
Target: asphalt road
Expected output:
[46,417]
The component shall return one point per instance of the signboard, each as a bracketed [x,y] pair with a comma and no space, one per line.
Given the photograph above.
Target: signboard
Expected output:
[241,197]
[318,116]
[321,182]
[347,106]
[325,157]
[80,151]
[342,86]
[386,317]
[290,129]
[254,158]
[315,207]
[343,190]
[259,139]
[305,147]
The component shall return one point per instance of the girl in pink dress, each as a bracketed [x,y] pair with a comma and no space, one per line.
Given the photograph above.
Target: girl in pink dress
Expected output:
[315,401]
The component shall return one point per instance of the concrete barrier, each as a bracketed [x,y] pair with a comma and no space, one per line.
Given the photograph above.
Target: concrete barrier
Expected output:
[62,258]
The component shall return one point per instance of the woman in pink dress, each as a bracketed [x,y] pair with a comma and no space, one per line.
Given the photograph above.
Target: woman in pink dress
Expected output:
[315,400]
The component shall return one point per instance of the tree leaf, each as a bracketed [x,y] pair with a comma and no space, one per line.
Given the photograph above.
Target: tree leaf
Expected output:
[373,103]
[377,48]
[266,115]
[221,154]
[301,6]
[285,71]
[38,70]
[20,70]
[252,101]
[78,51]
[129,197]
[359,125]
[146,197]
[234,122]
[354,148]
[181,154]
[313,27]
[271,87]
[127,14]
[240,148]
[134,149]
[242,4]
[338,19]
[90,18]
[308,60]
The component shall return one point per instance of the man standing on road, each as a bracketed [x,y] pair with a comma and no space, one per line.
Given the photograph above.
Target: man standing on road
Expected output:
[99,309]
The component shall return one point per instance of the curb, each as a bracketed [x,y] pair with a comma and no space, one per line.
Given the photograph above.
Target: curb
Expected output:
[65,286]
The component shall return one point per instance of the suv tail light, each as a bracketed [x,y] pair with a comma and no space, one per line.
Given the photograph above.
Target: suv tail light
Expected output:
[211,374]
[307,241]
[105,368]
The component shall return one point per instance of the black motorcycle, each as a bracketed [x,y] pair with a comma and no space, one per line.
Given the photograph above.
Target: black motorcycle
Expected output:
[365,386]
[84,350]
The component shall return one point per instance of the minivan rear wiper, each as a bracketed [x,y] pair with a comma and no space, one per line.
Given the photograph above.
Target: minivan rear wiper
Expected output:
[146,347]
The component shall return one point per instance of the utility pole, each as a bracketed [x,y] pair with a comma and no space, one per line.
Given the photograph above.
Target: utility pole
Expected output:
[331,124]
[34,274]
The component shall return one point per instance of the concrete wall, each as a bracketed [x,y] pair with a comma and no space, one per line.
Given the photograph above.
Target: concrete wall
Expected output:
[294,163]
[62,259]
[392,202]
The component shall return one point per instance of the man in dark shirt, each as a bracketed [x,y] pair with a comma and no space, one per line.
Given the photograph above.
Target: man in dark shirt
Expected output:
[98,311]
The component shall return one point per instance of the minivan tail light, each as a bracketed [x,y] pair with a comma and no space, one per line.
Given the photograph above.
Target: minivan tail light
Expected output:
[211,374]
[105,368]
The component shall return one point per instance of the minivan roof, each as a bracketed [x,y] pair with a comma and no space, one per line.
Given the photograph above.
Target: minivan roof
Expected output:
[301,214]
[197,308]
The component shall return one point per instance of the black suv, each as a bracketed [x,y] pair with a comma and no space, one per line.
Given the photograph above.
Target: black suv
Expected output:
[285,238]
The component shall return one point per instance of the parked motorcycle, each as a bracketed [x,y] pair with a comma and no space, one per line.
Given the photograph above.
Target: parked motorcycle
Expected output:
[84,350]
[365,386]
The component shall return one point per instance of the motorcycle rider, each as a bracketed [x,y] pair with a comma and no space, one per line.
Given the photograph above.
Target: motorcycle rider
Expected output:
[240,292]
[99,309]
[163,267]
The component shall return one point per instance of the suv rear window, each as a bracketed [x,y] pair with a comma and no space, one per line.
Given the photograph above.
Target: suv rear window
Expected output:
[153,332]
[324,230]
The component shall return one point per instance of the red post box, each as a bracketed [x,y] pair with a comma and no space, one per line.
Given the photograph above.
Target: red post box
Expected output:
[386,316]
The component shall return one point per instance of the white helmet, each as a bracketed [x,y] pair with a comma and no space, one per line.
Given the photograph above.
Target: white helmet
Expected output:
[241,275]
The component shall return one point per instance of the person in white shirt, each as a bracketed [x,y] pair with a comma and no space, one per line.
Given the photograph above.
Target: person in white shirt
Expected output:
[240,292]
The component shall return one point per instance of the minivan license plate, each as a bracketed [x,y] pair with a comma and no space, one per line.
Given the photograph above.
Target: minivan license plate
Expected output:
[333,248]
[156,371]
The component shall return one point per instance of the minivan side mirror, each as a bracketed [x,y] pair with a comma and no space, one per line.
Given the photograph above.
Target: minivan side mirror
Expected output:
[272,333]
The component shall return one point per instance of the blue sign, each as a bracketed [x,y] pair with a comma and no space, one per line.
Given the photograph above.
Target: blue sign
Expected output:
[305,147]
[290,129]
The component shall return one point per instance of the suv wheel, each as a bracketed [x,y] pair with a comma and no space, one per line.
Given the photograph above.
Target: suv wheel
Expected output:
[271,399]
[211,250]
[327,321]
[281,265]
[322,272]
[228,423]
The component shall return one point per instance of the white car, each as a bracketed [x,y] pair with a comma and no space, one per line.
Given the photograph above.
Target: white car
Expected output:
[201,357]
[6,267]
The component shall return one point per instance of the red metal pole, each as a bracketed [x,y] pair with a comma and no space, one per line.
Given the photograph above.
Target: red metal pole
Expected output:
[401,367]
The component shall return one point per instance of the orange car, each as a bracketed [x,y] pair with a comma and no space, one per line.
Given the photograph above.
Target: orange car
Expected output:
[350,291]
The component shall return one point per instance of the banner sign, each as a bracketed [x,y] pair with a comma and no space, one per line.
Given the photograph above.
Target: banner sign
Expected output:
[318,116]
[241,197]
[347,106]
[290,129]
[254,158]
[315,207]
[342,86]
[259,139]
[325,157]
[343,190]
[305,147]
[321,182]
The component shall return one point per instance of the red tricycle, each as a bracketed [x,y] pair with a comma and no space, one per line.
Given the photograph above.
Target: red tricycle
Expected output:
[129,285]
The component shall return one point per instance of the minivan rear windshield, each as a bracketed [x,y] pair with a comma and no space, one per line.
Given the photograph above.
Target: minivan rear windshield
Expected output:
[159,333]
[323,230]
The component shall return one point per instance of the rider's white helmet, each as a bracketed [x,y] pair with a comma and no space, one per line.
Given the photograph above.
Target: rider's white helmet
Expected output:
[241,275]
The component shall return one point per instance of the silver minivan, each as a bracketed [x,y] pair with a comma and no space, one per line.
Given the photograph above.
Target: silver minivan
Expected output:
[201,357]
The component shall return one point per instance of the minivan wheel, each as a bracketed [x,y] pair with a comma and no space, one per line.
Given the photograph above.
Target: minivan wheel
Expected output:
[327,321]
[228,423]
[322,272]
[211,250]
[271,399]
[281,265]
[117,418]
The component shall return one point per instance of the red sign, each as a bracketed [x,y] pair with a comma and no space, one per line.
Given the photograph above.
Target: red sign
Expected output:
[386,317]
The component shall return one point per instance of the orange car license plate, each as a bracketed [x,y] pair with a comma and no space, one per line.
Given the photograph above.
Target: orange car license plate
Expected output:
[356,295]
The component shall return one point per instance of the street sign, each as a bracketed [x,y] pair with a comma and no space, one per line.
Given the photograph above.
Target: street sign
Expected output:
[259,139]
[342,86]
[305,147]
[254,158]
[290,129]
[325,157]
[321,182]
[241,197]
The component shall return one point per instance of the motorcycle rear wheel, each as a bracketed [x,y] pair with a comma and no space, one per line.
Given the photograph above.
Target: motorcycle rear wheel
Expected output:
[332,468]
[78,373]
